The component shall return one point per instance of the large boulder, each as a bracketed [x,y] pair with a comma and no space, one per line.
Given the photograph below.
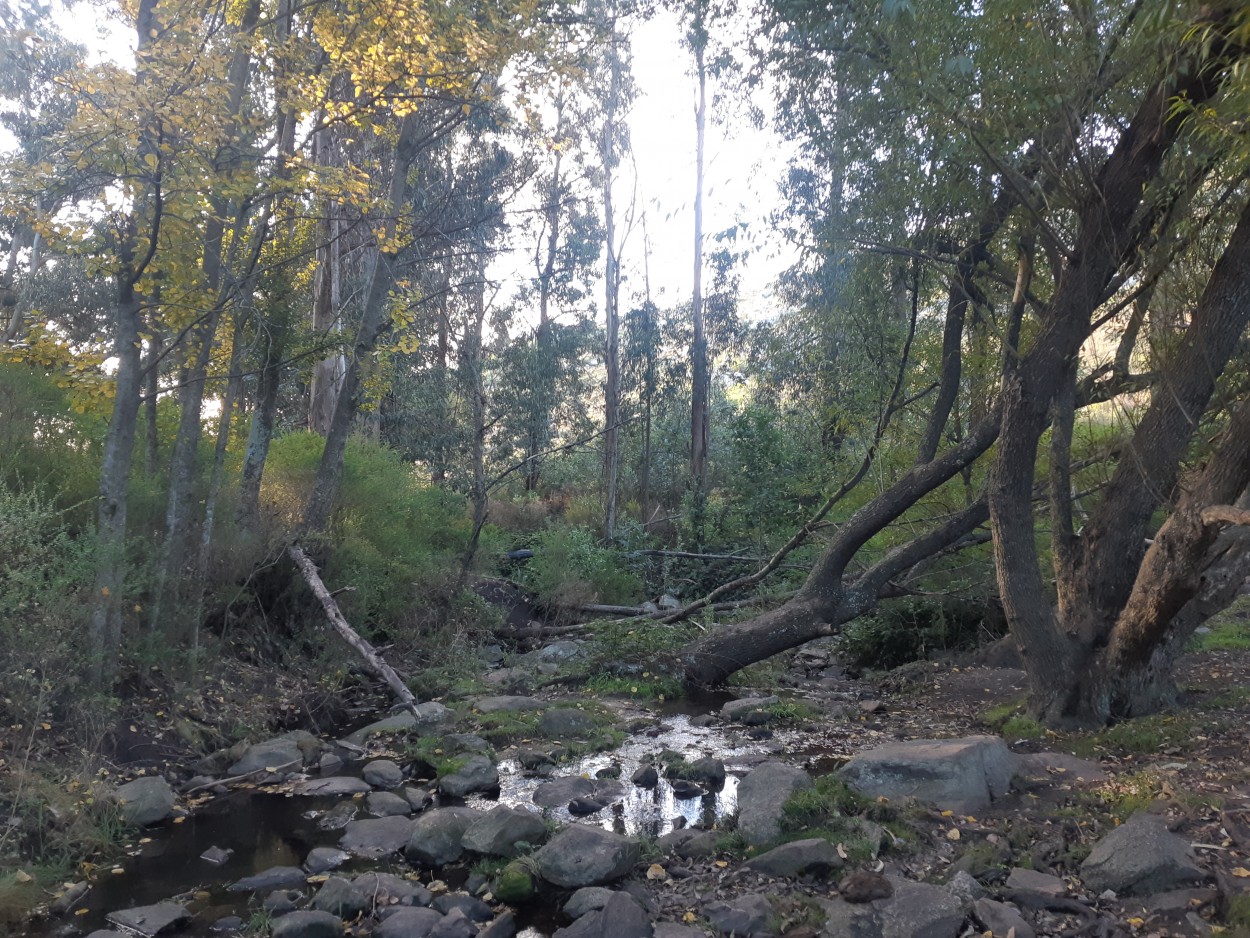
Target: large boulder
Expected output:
[376,837]
[145,801]
[151,920]
[815,855]
[341,897]
[620,917]
[560,791]
[437,836]
[383,773]
[276,877]
[761,796]
[387,888]
[566,722]
[477,774]
[918,910]
[586,856]
[962,775]
[1139,857]
[741,917]
[750,710]
[498,832]
[408,923]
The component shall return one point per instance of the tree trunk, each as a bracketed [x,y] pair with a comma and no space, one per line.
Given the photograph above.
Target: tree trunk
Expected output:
[699,379]
[611,300]
[327,377]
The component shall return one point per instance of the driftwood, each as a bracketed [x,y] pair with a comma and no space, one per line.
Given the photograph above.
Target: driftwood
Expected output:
[366,651]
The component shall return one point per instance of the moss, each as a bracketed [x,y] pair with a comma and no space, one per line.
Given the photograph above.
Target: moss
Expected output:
[1144,735]
[515,883]
[1229,630]
[997,716]
[1021,727]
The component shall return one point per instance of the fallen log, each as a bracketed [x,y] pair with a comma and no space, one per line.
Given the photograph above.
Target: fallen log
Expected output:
[366,651]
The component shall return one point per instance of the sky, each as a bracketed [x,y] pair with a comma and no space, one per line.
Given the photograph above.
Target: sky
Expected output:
[743,165]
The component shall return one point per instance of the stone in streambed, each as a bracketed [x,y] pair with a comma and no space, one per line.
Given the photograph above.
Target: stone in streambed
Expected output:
[145,801]
[741,917]
[308,925]
[962,775]
[429,715]
[918,910]
[383,773]
[566,722]
[376,837]
[620,917]
[324,859]
[498,833]
[586,856]
[335,786]
[477,774]
[814,855]
[387,804]
[286,753]
[276,877]
[1001,920]
[341,898]
[762,795]
[382,888]
[473,908]
[408,923]
[646,777]
[454,925]
[1140,857]
[437,836]
[587,899]
[560,791]
[151,920]
[508,704]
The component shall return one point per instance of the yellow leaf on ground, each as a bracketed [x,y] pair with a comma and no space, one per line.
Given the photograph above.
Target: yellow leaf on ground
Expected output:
[23,877]
[656,872]
[952,834]
[1241,872]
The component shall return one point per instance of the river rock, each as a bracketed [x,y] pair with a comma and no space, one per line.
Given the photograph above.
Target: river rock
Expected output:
[227,925]
[324,859]
[336,786]
[340,897]
[741,917]
[761,796]
[586,856]
[1045,884]
[560,791]
[145,801]
[646,777]
[749,710]
[502,927]
[508,704]
[918,910]
[286,753]
[383,773]
[429,715]
[962,775]
[282,901]
[473,908]
[1001,920]
[276,877]
[376,837]
[437,836]
[387,804]
[70,898]
[1139,857]
[564,650]
[308,925]
[684,789]
[408,922]
[620,917]
[381,888]
[498,832]
[478,774]
[454,925]
[466,742]
[846,920]
[566,722]
[815,855]
[708,772]
[149,920]
[587,899]
[673,930]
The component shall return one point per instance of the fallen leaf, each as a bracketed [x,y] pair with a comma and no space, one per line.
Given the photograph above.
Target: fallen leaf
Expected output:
[23,877]
[689,917]
[952,834]
[1241,872]
[721,864]
[842,852]
[655,872]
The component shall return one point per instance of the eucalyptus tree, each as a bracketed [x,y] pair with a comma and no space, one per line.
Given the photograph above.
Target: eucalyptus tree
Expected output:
[1054,170]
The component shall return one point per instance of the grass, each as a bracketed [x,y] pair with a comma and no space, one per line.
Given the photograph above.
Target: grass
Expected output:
[431,750]
[646,686]
[1229,629]
[1237,915]
[507,726]
[1022,727]
[792,711]
[833,811]
[1141,736]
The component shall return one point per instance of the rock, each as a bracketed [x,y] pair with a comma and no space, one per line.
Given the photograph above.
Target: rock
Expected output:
[673,930]
[707,771]
[534,759]
[514,884]
[863,886]
[1002,920]
[408,923]
[286,753]
[330,762]
[276,877]
[684,790]
[336,786]
[282,901]
[508,704]
[340,897]
[584,807]
[668,603]
[227,925]
[429,715]
[498,832]
[376,837]
[473,908]
[383,773]
[742,917]
[478,774]
[620,917]
[381,888]
[815,855]
[502,927]
[646,777]
[147,800]
[560,791]
[418,798]
[586,856]
[308,925]
[966,886]
[1139,857]
[217,855]
[1033,881]
[962,775]
[491,655]
[918,910]
[437,835]
[761,796]
[560,651]
[587,899]
[1059,766]
[741,709]
[844,920]
[67,901]
[565,722]
[455,925]
[387,804]
[324,859]
[466,742]
[149,920]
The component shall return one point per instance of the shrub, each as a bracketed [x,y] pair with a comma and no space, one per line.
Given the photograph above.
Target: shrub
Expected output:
[912,629]
[570,569]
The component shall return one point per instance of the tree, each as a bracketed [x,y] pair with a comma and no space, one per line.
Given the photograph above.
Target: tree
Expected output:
[1095,212]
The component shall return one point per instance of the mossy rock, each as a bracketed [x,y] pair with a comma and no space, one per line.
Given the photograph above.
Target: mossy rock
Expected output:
[514,884]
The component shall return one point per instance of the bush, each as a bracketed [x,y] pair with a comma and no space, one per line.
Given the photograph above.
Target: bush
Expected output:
[569,569]
[912,629]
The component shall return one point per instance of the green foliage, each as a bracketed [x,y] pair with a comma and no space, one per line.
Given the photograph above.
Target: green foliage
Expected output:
[829,797]
[912,629]
[1237,914]
[792,711]
[515,883]
[570,569]
[1229,630]
[1022,727]
[396,538]
[646,686]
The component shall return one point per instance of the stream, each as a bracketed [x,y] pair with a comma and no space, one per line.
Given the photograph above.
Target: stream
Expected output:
[268,828]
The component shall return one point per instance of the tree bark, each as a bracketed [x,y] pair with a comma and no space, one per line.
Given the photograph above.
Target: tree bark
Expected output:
[699,379]
[611,298]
